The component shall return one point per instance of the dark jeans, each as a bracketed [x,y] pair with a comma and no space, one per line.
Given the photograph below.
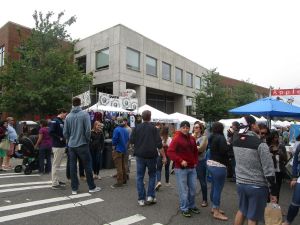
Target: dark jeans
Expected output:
[81,168]
[159,169]
[96,160]
[84,155]
[294,206]
[279,177]
[201,175]
[218,176]
[45,153]
[141,165]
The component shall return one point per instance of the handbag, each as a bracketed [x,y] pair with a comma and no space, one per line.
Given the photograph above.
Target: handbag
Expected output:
[4,144]
[273,214]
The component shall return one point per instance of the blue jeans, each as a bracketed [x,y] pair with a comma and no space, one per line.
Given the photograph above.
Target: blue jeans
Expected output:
[159,169]
[186,184]
[141,165]
[83,153]
[294,206]
[45,153]
[218,175]
[201,175]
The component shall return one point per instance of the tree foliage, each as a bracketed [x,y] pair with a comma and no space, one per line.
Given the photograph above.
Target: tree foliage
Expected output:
[243,93]
[214,101]
[45,77]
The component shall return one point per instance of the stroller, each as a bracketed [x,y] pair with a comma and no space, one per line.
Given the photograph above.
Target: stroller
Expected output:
[29,155]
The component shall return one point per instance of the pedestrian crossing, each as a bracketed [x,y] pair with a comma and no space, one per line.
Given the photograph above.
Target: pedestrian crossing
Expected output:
[14,211]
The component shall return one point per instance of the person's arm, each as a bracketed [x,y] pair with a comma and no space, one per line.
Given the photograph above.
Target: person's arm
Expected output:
[171,152]
[203,145]
[87,125]
[115,139]
[40,138]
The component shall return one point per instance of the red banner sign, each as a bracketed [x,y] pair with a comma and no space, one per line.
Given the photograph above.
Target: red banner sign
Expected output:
[281,92]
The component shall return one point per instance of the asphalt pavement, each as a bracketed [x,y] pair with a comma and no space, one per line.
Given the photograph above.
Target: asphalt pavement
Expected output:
[29,199]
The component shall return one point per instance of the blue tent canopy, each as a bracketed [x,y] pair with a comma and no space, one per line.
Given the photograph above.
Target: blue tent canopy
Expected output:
[268,107]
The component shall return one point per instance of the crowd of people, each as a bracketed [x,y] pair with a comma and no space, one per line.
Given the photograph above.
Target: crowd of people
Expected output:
[253,155]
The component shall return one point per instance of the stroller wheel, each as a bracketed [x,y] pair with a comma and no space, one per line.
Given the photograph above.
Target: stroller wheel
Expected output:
[18,169]
[27,171]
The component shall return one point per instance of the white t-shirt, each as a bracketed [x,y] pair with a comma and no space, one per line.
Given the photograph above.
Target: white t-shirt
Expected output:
[132,121]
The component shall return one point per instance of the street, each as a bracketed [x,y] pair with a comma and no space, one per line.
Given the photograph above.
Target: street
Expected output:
[29,199]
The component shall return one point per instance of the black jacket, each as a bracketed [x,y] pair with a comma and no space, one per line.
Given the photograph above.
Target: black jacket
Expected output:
[56,132]
[218,148]
[146,140]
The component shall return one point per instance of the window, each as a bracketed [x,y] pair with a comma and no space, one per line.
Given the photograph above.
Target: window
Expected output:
[81,62]
[132,59]
[151,66]
[2,52]
[189,79]
[178,75]
[166,71]
[102,59]
[198,83]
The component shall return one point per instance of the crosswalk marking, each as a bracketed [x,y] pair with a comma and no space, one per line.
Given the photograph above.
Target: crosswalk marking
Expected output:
[24,188]
[157,224]
[23,175]
[4,174]
[44,201]
[128,220]
[48,209]
[24,183]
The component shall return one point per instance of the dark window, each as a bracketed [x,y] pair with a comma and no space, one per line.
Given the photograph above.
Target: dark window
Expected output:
[81,62]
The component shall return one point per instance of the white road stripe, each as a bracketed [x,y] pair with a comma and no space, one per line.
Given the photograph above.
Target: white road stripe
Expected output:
[4,174]
[44,201]
[23,175]
[128,220]
[24,188]
[25,183]
[157,224]
[48,209]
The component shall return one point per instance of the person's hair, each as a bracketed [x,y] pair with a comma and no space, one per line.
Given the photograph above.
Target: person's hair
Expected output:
[202,129]
[164,133]
[8,119]
[146,115]
[34,131]
[61,110]
[250,120]
[76,101]
[236,124]
[217,128]
[271,136]
[185,124]
[95,124]
[24,123]
[44,123]
[262,126]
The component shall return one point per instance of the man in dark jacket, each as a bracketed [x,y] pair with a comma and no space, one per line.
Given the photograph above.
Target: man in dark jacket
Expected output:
[58,146]
[146,140]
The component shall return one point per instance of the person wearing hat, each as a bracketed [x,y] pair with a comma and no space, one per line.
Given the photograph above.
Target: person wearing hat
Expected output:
[254,173]
[232,133]
[119,145]
[184,153]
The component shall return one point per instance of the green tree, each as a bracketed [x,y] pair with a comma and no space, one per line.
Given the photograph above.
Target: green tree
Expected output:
[45,77]
[213,101]
[243,93]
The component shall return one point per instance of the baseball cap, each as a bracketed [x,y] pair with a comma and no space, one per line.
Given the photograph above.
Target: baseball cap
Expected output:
[245,123]
[185,123]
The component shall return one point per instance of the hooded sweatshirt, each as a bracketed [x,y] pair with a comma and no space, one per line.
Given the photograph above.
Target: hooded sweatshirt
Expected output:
[183,147]
[77,128]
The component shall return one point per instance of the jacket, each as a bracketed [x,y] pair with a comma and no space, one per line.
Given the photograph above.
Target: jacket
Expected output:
[183,147]
[56,133]
[218,149]
[77,129]
[120,139]
[146,140]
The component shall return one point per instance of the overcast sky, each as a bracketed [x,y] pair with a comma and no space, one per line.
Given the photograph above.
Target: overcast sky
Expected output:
[254,40]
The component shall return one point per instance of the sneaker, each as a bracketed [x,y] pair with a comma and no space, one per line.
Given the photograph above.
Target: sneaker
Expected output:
[116,185]
[96,189]
[74,192]
[58,187]
[158,185]
[99,177]
[168,184]
[186,214]
[61,183]
[195,210]
[150,200]
[141,202]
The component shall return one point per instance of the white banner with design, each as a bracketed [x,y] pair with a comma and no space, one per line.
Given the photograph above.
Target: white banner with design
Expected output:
[85,98]
[118,101]
[291,96]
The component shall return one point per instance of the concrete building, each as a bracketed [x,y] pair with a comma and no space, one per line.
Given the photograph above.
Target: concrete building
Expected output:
[121,59]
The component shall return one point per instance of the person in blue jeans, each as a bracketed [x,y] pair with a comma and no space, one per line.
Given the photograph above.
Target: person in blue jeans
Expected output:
[184,153]
[295,183]
[146,140]
[216,165]
[77,132]
[201,141]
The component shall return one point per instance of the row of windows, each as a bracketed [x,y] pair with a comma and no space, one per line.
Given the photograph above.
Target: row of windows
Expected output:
[2,52]
[133,63]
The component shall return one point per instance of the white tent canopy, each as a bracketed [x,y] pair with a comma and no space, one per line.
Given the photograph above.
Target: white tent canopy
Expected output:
[97,107]
[182,117]
[156,115]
